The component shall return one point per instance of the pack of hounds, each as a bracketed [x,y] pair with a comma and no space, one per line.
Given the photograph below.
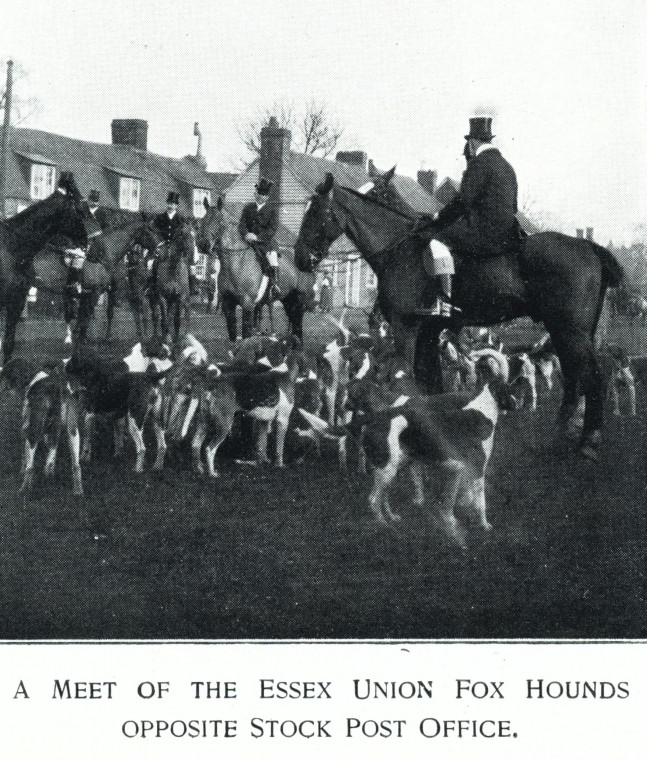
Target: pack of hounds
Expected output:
[354,391]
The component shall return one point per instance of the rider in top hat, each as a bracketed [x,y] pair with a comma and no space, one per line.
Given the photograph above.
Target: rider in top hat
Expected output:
[480,221]
[257,227]
[98,212]
[167,223]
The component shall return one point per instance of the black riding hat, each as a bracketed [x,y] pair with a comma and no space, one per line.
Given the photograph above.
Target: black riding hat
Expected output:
[173,198]
[94,196]
[480,129]
[263,186]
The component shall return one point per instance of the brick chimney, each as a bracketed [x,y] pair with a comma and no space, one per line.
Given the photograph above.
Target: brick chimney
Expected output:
[579,233]
[427,179]
[589,233]
[353,158]
[131,132]
[275,145]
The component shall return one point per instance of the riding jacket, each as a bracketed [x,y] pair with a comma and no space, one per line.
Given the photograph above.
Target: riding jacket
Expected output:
[480,221]
[167,225]
[262,222]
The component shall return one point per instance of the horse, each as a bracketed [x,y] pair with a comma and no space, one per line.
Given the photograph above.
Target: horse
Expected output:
[556,279]
[170,294]
[98,275]
[241,281]
[63,214]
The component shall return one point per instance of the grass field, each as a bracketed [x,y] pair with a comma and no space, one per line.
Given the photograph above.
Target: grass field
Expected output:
[261,553]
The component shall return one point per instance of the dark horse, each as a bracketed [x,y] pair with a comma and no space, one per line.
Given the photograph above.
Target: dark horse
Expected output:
[100,270]
[241,279]
[63,214]
[558,280]
[170,293]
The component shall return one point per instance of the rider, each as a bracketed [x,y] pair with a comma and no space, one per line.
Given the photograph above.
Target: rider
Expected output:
[257,227]
[98,212]
[75,258]
[167,223]
[480,221]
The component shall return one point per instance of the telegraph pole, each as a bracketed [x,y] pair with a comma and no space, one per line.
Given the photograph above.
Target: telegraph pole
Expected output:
[4,142]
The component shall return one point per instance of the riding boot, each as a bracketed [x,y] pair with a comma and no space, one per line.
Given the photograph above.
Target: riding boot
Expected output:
[444,301]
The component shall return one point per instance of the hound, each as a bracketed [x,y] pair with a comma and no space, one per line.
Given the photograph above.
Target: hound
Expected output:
[51,405]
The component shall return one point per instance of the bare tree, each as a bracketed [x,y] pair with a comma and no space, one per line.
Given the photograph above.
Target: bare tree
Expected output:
[23,106]
[313,128]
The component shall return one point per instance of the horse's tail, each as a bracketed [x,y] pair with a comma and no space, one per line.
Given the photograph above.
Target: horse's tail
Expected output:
[612,271]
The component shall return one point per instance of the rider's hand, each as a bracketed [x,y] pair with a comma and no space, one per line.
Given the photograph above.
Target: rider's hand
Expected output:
[250,237]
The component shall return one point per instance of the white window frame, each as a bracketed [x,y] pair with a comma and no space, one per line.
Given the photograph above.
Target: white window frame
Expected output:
[199,194]
[335,273]
[201,266]
[43,181]
[129,193]
[371,279]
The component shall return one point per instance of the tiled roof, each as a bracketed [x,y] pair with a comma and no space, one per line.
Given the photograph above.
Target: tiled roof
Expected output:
[312,170]
[96,166]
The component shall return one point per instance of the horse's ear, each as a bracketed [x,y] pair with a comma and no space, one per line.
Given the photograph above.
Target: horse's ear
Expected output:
[388,176]
[205,203]
[220,203]
[326,186]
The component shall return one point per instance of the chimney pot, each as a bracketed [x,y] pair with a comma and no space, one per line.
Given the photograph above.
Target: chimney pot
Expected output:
[579,233]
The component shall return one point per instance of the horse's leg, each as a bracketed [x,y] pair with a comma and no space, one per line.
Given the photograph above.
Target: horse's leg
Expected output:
[404,337]
[87,305]
[294,309]
[582,374]
[14,310]
[229,310]
[593,386]
[110,313]
[248,322]
[427,368]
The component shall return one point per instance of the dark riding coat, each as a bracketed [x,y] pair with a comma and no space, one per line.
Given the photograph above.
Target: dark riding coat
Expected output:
[167,226]
[480,221]
[102,217]
[263,224]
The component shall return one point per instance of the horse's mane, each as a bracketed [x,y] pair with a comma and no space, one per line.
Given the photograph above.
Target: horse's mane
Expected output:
[371,199]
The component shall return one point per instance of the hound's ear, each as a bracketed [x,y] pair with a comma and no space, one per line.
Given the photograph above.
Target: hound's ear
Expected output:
[220,203]
[326,186]
[205,203]
[388,176]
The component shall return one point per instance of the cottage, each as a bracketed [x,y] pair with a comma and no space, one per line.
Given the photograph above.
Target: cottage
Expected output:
[295,177]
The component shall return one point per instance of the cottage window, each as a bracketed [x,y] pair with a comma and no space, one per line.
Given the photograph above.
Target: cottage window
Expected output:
[43,180]
[335,274]
[371,279]
[129,191]
[199,194]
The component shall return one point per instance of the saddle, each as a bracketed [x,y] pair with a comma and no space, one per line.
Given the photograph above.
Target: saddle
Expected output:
[513,247]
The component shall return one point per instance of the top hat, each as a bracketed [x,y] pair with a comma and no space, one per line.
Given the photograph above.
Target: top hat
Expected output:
[66,179]
[480,129]
[173,198]
[94,196]
[263,186]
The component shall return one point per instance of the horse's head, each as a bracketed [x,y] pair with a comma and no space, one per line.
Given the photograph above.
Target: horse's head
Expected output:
[320,227]
[183,241]
[63,214]
[211,228]
[385,191]
[147,237]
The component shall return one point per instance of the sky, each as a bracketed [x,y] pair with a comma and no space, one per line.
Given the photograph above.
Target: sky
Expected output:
[566,82]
